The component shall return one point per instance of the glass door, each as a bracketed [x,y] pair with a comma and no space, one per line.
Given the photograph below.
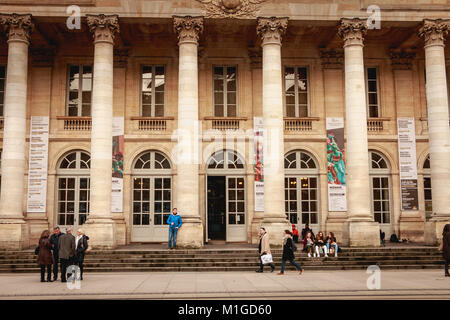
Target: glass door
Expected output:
[236,224]
[73,201]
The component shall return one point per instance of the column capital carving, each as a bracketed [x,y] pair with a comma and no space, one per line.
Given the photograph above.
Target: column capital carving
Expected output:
[433,32]
[18,27]
[352,31]
[332,58]
[402,59]
[103,27]
[271,29]
[188,29]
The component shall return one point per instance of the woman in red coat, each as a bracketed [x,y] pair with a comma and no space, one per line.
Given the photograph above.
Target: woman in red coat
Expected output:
[45,257]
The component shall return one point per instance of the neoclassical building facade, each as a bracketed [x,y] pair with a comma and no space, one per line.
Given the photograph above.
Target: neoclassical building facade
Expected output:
[115,112]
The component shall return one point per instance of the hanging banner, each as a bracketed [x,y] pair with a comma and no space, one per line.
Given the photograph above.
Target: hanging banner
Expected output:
[37,164]
[259,163]
[337,191]
[117,165]
[407,164]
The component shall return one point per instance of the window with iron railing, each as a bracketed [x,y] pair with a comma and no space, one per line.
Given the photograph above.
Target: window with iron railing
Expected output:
[372,90]
[153,84]
[225,91]
[79,90]
[296,92]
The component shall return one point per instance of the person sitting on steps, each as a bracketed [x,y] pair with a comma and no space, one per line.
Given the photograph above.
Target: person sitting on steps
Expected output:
[332,244]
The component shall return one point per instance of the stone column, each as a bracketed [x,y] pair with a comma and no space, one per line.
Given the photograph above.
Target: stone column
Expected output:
[433,32]
[100,226]
[188,30]
[362,229]
[13,230]
[271,30]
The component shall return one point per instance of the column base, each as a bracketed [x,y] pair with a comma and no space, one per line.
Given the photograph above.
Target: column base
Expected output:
[412,228]
[121,229]
[36,225]
[337,225]
[14,235]
[363,233]
[275,228]
[256,224]
[434,228]
[101,233]
[190,235]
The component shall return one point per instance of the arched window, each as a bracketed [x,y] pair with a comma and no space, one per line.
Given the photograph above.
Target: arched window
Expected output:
[225,159]
[427,188]
[152,192]
[380,185]
[301,185]
[73,184]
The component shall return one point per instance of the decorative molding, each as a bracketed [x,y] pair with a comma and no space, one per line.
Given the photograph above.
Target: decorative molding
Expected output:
[271,29]
[402,60]
[238,9]
[188,28]
[434,31]
[332,58]
[103,27]
[352,31]
[18,27]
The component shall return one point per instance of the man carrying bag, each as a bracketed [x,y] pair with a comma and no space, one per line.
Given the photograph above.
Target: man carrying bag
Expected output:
[264,251]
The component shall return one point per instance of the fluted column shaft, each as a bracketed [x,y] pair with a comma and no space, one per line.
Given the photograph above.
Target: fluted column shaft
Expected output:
[13,233]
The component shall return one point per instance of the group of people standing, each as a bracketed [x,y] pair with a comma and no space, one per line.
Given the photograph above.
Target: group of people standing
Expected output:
[62,248]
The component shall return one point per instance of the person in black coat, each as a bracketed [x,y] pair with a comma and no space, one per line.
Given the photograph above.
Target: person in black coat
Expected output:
[81,246]
[305,230]
[288,252]
[446,248]
[54,242]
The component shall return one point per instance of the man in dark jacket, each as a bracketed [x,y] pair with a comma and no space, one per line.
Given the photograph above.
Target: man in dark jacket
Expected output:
[54,238]
[66,250]
[305,230]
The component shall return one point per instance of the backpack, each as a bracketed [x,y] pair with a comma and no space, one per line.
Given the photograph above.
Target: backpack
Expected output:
[294,247]
[393,238]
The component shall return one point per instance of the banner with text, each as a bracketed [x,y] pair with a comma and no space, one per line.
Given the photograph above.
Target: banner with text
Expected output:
[408,163]
[37,164]
[117,165]
[259,163]
[337,192]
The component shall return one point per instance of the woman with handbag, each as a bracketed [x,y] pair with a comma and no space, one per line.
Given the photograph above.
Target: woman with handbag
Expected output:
[445,247]
[81,248]
[288,252]
[45,257]
[264,251]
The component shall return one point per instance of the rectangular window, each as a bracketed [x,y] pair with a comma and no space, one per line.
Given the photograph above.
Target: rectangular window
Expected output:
[79,91]
[2,88]
[225,91]
[427,197]
[373,98]
[381,199]
[153,84]
[296,91]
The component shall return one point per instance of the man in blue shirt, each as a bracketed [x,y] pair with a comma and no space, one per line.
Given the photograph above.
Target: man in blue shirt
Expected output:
[174,222]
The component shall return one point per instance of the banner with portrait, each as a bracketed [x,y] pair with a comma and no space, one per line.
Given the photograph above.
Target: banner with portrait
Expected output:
[337,191]
[258,164]
[117,165]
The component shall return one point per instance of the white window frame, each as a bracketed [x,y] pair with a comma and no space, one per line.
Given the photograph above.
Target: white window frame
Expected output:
[153,105]
[80,88]
[378,91]
[225,89]
[308,88]
[380,173]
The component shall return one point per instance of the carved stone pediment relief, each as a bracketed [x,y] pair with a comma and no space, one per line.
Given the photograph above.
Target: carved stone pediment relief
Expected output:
[239,9]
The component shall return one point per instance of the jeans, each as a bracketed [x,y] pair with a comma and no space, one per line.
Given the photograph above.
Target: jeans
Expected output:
[173,237]
[64,264]
[335,248]
[295,264]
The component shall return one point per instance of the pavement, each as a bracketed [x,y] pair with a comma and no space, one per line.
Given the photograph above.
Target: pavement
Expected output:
[393,284]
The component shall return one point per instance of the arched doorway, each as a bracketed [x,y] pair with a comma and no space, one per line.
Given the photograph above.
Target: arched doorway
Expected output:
[151,197]
[301,185]
[73,189]
[226,202]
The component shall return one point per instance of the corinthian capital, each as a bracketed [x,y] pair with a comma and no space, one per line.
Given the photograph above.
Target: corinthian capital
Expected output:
[103,27]
[352,31]
[188,28]
[18,27]
[434,31]
[271,29]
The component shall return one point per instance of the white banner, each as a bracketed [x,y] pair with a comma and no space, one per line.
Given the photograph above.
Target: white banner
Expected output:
[117,165]
[337,191]
[408,163]
[259,163]
[37,164]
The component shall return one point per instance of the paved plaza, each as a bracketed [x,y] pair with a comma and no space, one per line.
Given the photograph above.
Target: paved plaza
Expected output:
[394,284]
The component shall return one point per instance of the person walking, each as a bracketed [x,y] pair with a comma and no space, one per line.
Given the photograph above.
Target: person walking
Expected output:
[81,245]
[66,246]
[174,222]
[288,252]
[446,247]
[54,242]
[45,258]
[264,248]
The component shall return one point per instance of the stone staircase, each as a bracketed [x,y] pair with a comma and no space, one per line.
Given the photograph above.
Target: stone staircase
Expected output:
[189,260]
